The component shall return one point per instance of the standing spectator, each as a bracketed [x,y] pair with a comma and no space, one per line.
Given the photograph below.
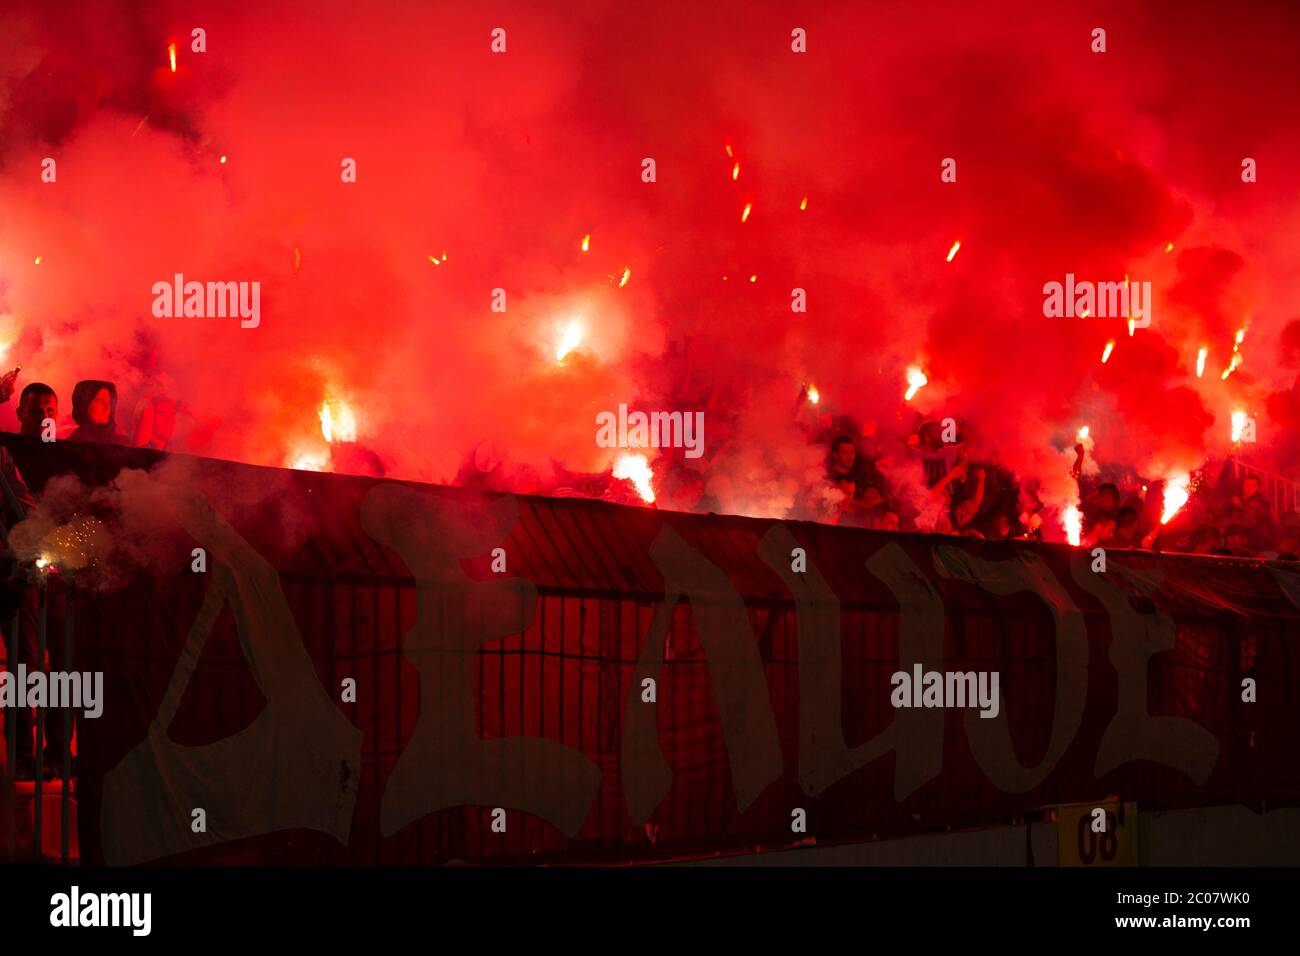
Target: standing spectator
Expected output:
[94,409]
[37,405]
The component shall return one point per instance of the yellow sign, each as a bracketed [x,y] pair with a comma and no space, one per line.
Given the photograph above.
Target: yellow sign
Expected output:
[1080,844]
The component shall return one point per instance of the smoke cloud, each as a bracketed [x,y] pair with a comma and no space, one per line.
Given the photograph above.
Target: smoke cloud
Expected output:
[479,171]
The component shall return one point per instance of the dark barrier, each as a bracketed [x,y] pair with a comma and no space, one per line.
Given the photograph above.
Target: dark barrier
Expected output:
[307,668]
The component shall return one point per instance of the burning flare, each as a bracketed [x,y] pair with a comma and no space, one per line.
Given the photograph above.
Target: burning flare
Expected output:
[586,242]
[915,381]
[814,396]
[744,215]
[1072,520]
[953,251]
[171,55]
[1175,496]
[1105,355]
[571,340]
[627,274]
[1238,425]
[342,428]
[636,469]
[1200,361]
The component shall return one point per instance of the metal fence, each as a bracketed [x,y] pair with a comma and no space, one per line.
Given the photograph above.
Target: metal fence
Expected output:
[27,825]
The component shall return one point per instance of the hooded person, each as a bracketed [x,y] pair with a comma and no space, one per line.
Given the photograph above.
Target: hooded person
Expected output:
[94,409]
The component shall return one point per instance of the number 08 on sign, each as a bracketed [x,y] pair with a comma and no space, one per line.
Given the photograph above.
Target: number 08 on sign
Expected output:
[1104,833]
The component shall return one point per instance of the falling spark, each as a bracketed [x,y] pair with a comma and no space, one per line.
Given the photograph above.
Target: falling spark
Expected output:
[572,338]
[915,381]
[1238,425]
[586,242]
[1084,313]
[745,213]
[1132,324]
[222,160]
[38,260]
[1232,366]
[434,259]
[753,278]
[735,171]
[803,204]
[1105,355]
[1200,361]
[1241,334]
[1175,496]
[636,469]
[627,274]
[1169,247]
[1072,520]
[728,148]
[953,251]
[814,396]
[171,55]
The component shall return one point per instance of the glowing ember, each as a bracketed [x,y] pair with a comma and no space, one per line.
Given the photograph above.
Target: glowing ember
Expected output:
[814,396]
[753,278]
[1084,313]
[1072,520]
[803,204]
[1200,361]
[1238,425]
[1132,324]
[953,251]
[735,172]
[915,381]
[1169,247]
[728,149]
[627,274]
[337,424]
[745,214]
[571,340]
[1105,355]
[222,159]
[171,55]
[1175,496]
[636,469]
[38,259]
[435,260]
[586,242]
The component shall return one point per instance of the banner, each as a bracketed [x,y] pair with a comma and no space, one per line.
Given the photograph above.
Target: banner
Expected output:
[316,668]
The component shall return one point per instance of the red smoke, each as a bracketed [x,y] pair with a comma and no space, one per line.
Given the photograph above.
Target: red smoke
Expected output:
[1067,161]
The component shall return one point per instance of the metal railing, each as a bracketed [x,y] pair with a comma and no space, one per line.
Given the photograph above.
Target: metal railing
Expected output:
[37,584]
